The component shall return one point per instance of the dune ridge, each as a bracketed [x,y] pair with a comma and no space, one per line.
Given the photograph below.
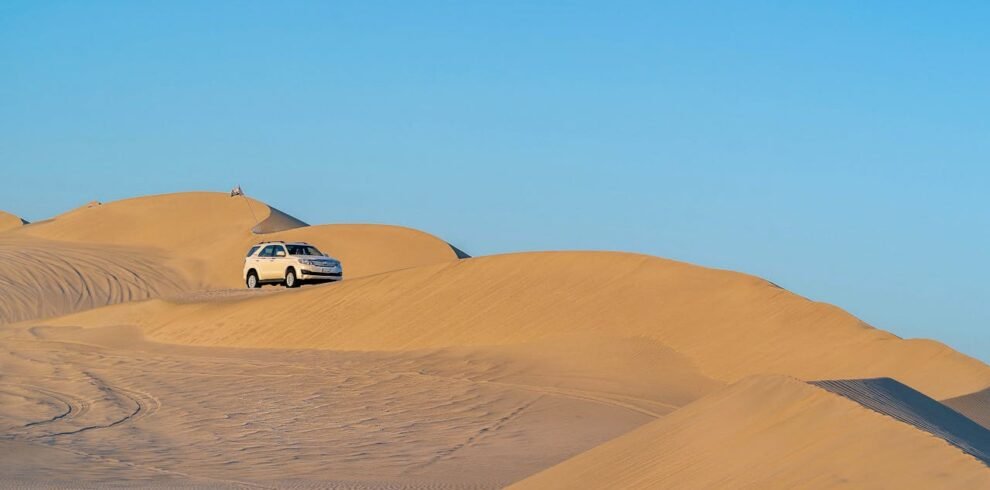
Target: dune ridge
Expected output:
[730,325]
[367,250]
[770,432]
[277,221]
[894,399]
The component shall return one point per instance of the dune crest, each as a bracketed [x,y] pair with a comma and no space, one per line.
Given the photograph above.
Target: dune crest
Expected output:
[277,221]
[367,250]
[894,399]
[730,325]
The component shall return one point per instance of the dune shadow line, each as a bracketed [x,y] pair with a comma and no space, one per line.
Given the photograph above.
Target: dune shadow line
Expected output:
[458,252]
[277,221]
[895,399]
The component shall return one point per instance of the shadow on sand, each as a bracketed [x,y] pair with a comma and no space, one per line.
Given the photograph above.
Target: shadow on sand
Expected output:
[460,253]
[974,405]
[895,399]
[277,221]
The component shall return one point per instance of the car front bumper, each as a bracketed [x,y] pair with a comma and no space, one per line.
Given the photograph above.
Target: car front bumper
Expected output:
[321,274]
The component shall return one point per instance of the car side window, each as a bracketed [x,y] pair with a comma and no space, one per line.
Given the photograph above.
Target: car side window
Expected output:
[268,251]
[277,249]
[253,250]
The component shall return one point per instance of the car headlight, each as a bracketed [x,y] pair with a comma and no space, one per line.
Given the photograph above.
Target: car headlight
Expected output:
[307,262]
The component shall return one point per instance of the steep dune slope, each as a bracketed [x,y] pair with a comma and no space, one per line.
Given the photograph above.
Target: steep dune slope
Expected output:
[9,221]
[277,221]
[894,399]
[975,405]
[729,325]
[770,432]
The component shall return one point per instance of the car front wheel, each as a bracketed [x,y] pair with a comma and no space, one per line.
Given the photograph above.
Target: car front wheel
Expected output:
[290,279]
[252,281]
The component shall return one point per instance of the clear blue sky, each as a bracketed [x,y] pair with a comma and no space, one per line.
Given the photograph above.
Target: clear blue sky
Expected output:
[840,149]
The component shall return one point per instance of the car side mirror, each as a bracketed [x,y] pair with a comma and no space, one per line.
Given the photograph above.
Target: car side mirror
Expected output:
[280,253]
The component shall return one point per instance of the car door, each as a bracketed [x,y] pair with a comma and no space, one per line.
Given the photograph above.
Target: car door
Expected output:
[251,259]
[278,262]
[264,261]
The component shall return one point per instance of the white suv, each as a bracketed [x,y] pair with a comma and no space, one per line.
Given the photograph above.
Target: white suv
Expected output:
[289,264]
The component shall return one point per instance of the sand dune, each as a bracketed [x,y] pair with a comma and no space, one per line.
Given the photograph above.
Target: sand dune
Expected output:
[770,432]
[40,278]
[894,399]
[9,221]
[729,325]
[557,369]
[101,254]
[206,234]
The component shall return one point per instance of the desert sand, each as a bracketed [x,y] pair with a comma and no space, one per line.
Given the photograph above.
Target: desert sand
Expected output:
[9,221]
[132,356]
[771,431]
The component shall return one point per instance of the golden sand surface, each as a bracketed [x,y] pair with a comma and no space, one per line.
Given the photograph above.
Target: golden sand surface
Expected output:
[9,221]
[132,356]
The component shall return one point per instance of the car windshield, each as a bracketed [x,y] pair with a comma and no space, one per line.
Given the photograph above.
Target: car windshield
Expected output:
[303,250]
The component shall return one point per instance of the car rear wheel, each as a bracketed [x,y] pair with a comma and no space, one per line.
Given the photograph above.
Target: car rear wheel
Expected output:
[252,281]
[290,279]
